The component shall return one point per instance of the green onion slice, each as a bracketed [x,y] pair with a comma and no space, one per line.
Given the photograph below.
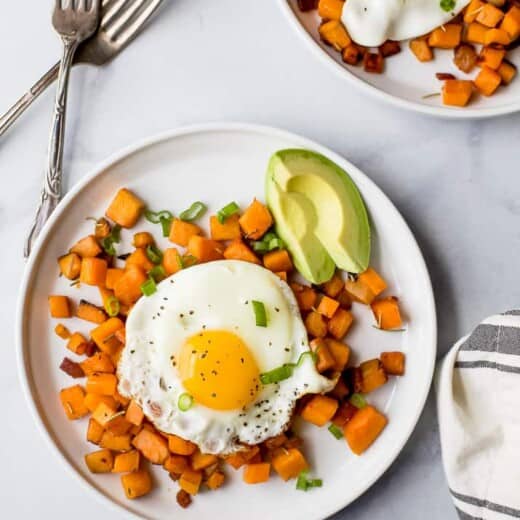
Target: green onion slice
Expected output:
[227,211]
[303,483]
[185,402]
[195,211]
[157,273]
[336,431]
[166,224]
[154,254]
[112,306]
[447,5]
[285,371]
[155,216]
[358,400]
[114,238]
[186,261]
[260,313]
[149,287]
[270,241]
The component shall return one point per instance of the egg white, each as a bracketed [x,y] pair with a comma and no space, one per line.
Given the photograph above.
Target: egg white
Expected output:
[217,296]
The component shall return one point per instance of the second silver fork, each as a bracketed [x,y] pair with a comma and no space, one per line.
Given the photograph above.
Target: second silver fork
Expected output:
[74,21]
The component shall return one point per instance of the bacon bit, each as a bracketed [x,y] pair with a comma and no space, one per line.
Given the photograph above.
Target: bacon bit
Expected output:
[351,54]
[72,368]
[444,75]
[183,498]
[465,57]
[91,349]
[293,442]
[373,62]
[307,5]
[389,48]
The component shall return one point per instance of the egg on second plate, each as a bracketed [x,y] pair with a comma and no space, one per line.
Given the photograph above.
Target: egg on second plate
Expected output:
[372,22]
[196,339]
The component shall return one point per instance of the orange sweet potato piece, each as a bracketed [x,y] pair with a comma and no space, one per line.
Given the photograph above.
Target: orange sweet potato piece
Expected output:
[359,291]
[227,230]
[176,464]
[238,250]
[278,261]
[305,296]
[92,401]
[364,428]
[489,15]
[202,460]
[255,221]
[134,413]
[126,462]
[153,446]
[472,10]
[340,323]
[72,401]
[393,363]
[333,33]
[143,239]
[205,249]
[457,92]
[59,306]
[507,72]
[99,362]
[125,209]
[89,312]
[344,413]
[70,265]
[257,473]
[171,261]
[316,325]
[511,22]
[289,463]
[181,232]
[77,344]
[114,442]
[93,271]
[387,314]
[330,9]
[190,481]
[325,359]
[101,461]
[340,352]
[327,306]
[137,483]
[487,81]
[94,431]
[475,33]
[118,425]
[114,274]
[62,331]
[446,37]
[180,446]
[373,375]
[103,335]
[319,410]
[237,460]
[139,259]
[491,57]
[371,279]
[128,288]
[87,247]
[499,36]
[215,480]
[103,384]
[421,49]
[334,286]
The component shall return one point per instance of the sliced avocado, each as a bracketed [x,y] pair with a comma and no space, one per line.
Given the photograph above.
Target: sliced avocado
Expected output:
[319,213]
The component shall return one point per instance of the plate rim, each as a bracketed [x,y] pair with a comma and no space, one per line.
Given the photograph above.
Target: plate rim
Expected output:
[441,112]
[24,372]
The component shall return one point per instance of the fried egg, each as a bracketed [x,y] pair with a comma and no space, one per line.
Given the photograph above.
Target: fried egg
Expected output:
[372,22]
[197,337]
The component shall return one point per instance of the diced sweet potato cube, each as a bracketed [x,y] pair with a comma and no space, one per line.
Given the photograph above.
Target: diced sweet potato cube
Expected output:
[62,331]
[77,343]
[475,33]
[103,384]
[507,72]
[511,22]
[72,401]
[491,57]
[327,306]
[319,410]
[340,323]
[257,473]
[134,413]
[334,33]
[239,250]
[181,232]
[153,446]
[143,239]
[487,81]
[171,261]
[70,265]
[59,306]
[176,464]
[330,9]
[94,431]
[180,446]
[87,247]
[99,362]
[205,249]
[255,221]
[137,483]
[373,281]
[344,414]
[92,401]
[126,462]
[101,461]
[489,15]
[125,209]
[282,275]
[325,359]
[421,49]
[499,36]
[289,463]
[389,48]
[373,375]
[278,261]
[340,352]
[128,288]
[359,291]
[316,325]
[472,10]
[373,62]
[202,460]
[387,314]
[115,442]
[351,54]
[215,480]
[114,274]
[103,335]
[93,271]
[305,296]
[446,37]
[227,230]
[190,481]
[393,363]
[140,259]
[364,428]
[457,92]
[89,312]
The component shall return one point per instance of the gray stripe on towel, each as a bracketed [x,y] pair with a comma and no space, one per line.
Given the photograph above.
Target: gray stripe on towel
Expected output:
[487,364]
[494,338]
[464,516]
[474,501]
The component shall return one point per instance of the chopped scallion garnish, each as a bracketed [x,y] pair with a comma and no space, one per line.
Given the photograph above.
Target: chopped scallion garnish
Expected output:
[447,5]
[358,400]
[112,306]
[166,224]
[154,254]
[157,273]
[227,211]
[270,241]
[336,431]
[149,287]
[303,483]
[109,241]
[195,211]
[260,313]
[186,261]
[185,402]
[155,216]
[284,371]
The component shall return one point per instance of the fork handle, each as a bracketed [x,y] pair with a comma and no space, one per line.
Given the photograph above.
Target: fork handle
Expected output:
[51,192]
[26,100]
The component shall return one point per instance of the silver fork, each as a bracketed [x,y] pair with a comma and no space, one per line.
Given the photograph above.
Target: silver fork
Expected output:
[121,21]
[74,21]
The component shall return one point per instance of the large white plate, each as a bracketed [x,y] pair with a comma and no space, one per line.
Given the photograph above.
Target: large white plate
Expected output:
[405,81]
[216,164]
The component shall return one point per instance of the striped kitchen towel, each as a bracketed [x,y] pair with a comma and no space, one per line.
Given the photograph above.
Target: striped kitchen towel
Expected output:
[478,402]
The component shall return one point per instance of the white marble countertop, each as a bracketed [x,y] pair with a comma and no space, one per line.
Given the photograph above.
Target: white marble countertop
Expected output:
[456,183]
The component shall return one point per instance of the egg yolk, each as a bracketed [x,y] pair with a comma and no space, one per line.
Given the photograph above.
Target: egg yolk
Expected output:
[217,368]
